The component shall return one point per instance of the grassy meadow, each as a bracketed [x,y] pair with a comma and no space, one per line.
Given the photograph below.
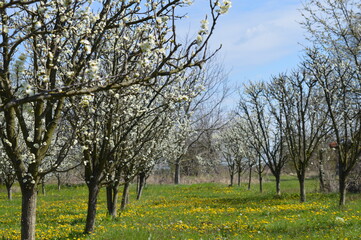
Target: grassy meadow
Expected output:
[199,211]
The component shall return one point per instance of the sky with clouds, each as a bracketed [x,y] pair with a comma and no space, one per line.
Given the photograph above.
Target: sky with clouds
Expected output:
[259,38]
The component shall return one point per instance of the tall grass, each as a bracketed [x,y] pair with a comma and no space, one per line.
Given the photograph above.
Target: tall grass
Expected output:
[199,211]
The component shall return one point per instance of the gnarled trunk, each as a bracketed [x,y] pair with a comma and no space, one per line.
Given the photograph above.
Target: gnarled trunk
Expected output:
[28,211]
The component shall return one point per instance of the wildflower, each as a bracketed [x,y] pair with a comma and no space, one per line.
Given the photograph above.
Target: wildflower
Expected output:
[340,219]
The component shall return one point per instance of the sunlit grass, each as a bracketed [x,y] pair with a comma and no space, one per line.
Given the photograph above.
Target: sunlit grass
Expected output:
[201,211]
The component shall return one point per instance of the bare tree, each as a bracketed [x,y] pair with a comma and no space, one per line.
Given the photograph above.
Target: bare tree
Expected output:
[265,123]
[305,121]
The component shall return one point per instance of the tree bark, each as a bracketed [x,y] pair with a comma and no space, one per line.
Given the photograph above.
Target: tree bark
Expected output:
[260,170]
[125,196]
[141,184]
[28,211]
[231,175]
[321,172]
[239,170]
[177,173]
[93,189]
[9,191]
[342,186]
[301,179]
[278,185]
[43,186]
[249,178]
[112,199]
[260,181]
[58,182]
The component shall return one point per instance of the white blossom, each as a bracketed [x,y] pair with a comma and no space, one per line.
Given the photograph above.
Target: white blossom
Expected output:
[224,6]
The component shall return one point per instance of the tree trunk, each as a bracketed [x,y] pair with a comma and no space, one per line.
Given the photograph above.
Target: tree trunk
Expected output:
[109,194]
[342,187]
[239,170]
[9,191]
[112,199]
[231,175]
[177,173]
[301,180]
[93,189]
[28,211]
[260,181]
[58,181]
[125,196]
[321,172]
[260,174]
[141,184]
[278,184]
[43,186]
[249,178]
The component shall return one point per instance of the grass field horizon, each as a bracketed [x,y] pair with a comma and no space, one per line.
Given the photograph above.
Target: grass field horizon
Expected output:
[196,211]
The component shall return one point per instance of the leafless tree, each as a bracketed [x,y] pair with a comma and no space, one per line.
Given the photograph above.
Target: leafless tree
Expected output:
[305,121]
[265,122]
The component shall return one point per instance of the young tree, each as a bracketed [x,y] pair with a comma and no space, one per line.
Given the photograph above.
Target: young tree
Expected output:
[232,144]
[7,174]
[266,125]
[200,118]
[305,121]
[65,47]
[344,108]
[335,63]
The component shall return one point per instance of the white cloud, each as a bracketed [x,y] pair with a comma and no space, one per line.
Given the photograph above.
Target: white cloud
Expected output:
[261,36]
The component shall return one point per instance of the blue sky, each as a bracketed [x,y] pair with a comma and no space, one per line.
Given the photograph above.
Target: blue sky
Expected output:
[260,38]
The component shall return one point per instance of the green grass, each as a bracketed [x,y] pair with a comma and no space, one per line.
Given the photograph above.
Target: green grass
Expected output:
[200,211]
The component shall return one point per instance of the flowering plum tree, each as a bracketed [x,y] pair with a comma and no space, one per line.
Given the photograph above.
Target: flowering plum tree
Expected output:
[66,48]
[198,117]
[7,174]
[231,143]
